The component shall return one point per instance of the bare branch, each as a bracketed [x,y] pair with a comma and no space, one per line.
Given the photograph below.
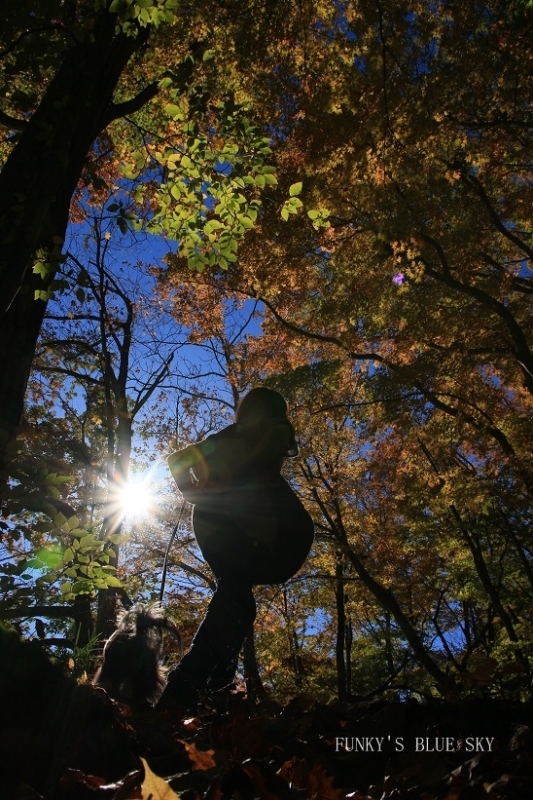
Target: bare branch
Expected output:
[12,123]
[477,186]
[79,376]
[321,337]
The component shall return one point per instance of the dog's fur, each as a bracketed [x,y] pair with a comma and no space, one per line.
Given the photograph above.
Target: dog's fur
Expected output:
[132,670]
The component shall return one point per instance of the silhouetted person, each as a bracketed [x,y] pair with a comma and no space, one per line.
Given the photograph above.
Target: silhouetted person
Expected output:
[251,529]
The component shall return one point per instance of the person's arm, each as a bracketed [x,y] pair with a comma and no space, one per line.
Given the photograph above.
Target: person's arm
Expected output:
[181,463]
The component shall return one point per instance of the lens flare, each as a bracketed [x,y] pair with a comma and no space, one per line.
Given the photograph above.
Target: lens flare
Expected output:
[136,498]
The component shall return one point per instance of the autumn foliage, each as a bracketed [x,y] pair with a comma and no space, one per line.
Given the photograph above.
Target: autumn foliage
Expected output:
[344,191]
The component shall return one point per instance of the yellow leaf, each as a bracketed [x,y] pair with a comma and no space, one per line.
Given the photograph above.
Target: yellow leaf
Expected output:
[155,788]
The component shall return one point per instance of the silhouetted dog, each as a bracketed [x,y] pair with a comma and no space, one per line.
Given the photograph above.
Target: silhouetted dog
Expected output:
[132,669]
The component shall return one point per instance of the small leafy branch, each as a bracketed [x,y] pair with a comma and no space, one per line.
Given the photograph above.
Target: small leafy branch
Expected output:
[63,556]
[211,192]
[293,204]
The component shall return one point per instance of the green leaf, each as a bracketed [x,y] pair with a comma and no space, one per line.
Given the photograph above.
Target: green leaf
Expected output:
[173,111]
[295,189]
[40,268]
[213,225]
[112,581]
[176,191]
[60,519]
[87,541]
[44,527]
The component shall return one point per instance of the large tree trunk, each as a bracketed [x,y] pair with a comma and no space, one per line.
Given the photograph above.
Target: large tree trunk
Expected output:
[36,187]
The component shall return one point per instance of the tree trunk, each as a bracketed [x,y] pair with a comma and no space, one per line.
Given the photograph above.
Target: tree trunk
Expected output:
[492,591]
[388,601]
[36,187]
[341,631]
[254,684]
[385,597]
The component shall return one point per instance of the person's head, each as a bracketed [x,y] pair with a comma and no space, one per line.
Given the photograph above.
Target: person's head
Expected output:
[261,403]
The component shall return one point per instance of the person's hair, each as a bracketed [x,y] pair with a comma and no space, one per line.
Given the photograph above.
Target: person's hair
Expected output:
[259,403]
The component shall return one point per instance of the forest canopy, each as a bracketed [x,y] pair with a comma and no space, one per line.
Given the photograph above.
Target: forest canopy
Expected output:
[331,199]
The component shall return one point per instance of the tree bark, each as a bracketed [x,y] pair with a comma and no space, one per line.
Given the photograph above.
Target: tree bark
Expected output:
[492,591]
[36,187]
[341,631]
[252,677]
[383,595]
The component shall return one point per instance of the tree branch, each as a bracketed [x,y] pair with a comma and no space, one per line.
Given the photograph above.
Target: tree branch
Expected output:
[478,188]
[321,337]
[72,374]
[11,122]
[117,110]
[522,352]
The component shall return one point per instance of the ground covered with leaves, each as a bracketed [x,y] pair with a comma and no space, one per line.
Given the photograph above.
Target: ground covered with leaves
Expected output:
[64,741]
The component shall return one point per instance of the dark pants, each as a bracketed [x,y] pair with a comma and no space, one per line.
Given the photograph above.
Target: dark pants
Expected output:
[239,562]
[211,661]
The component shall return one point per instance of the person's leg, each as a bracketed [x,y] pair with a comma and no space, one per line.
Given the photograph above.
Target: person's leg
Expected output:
[236,610]
[211,661]
[239,562]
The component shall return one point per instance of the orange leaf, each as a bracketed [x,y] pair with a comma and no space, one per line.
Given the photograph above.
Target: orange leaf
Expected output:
[321,785]
[200,759]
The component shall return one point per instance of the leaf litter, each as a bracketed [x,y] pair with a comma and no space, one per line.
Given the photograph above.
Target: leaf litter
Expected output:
[61,740]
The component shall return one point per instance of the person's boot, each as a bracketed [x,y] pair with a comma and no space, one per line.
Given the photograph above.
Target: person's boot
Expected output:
[187,682]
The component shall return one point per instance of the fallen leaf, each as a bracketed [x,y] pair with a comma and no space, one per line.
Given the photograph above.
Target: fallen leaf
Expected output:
[321,785]
[266,783]
[155,788]
[200,759]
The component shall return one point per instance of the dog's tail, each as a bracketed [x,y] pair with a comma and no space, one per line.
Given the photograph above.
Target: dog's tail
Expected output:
[131,670]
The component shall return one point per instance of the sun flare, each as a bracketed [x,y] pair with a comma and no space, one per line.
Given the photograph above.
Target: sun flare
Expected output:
[136,498]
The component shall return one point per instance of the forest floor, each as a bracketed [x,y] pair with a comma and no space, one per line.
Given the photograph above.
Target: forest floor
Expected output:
[60,740]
